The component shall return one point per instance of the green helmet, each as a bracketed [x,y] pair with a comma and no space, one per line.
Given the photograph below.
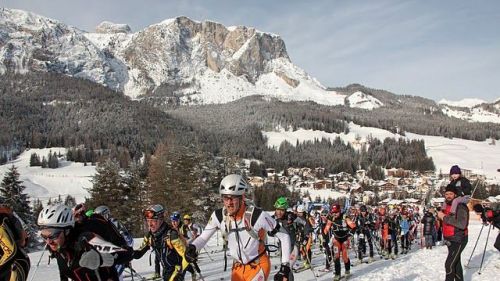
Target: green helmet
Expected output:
[281,203]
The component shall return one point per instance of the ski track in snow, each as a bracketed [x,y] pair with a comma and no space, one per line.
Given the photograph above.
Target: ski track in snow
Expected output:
[425,265]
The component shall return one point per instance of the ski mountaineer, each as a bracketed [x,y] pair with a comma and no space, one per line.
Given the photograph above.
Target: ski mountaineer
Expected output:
[175,220]
[192,230]
[14,262]
[165,242]
[106,214]
[342,227]
[87,251]
[364,226]
[326,238]
[304,235]
[287,226]
[244,226]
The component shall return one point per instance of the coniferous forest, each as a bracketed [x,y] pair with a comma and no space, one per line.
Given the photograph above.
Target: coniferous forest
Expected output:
[145,150]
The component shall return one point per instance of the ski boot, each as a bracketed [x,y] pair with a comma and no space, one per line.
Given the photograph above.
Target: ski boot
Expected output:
[347,274]
[336,277]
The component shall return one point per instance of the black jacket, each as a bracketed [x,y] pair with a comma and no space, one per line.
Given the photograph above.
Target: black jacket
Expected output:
[428,220]
[68,257]
[462,185]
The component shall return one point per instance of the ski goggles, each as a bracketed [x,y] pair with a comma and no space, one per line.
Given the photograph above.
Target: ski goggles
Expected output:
[51,233]
[150,214]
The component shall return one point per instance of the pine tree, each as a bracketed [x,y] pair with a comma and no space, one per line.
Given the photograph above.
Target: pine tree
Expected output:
[176,180]
[70,201]
[12,189]
[107,187]
[34,160]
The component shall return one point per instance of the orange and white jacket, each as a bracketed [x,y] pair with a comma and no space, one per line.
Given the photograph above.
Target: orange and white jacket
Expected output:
[245,236]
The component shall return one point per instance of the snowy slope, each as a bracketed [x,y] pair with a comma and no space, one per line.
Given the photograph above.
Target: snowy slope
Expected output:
[69,179]
[364,101]
[419,265]
[469,103]
[475,114]
[480,157]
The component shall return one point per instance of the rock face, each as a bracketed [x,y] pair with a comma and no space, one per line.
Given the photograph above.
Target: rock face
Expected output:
[109,27]
[196,62]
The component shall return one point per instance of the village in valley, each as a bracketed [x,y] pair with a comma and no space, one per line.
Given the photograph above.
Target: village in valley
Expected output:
[400,186]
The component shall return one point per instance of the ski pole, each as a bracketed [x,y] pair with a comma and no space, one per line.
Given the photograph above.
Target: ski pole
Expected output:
[484,250]
[38,264]
[134,272]
[311,267]
[474,249]
[197,269]
[210,257]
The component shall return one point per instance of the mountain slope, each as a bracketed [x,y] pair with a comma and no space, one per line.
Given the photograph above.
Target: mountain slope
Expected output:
[178,60]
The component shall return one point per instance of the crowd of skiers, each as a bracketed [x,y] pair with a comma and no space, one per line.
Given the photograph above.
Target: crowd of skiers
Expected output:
[89,244]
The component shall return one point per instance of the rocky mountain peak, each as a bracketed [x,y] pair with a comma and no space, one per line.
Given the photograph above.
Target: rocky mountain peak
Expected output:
[180,59]
[109,27]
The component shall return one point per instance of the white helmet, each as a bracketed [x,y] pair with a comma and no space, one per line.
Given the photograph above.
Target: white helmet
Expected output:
[233,185]
[103,211]
[59,216]
[300,209]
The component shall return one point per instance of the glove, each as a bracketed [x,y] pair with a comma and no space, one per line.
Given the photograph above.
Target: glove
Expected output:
[92,259]
[191,254]
[283,274]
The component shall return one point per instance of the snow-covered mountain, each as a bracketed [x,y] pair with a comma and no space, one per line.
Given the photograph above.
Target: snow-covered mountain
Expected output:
[194,62]
[481,112]
[469,103]
[361,100]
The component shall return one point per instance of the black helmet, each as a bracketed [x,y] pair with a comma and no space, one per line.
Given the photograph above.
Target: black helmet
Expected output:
[362,208]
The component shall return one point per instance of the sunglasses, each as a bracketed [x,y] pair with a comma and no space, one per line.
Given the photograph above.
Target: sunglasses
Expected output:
[51,233]
[230,198]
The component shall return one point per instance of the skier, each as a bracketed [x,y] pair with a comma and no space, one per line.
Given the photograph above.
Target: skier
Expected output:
[342,227]
[175,219]
[14,262]
[165,242]
[85,251]
[244,226]
[364,225]
[191,229]
[304,236]
[287,226]
[106,214]
[326,236]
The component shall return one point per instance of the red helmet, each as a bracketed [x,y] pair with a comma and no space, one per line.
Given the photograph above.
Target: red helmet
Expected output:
[335,209]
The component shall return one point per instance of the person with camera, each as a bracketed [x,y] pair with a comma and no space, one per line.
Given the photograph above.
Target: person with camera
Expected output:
[490,216]
[455,233]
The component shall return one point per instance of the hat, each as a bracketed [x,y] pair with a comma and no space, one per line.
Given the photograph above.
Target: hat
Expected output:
[451,188]
[455,170]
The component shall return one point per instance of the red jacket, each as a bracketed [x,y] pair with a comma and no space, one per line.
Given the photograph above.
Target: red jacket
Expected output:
[455,225]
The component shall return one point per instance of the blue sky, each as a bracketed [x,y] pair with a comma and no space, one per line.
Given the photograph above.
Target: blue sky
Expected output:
[435,49]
